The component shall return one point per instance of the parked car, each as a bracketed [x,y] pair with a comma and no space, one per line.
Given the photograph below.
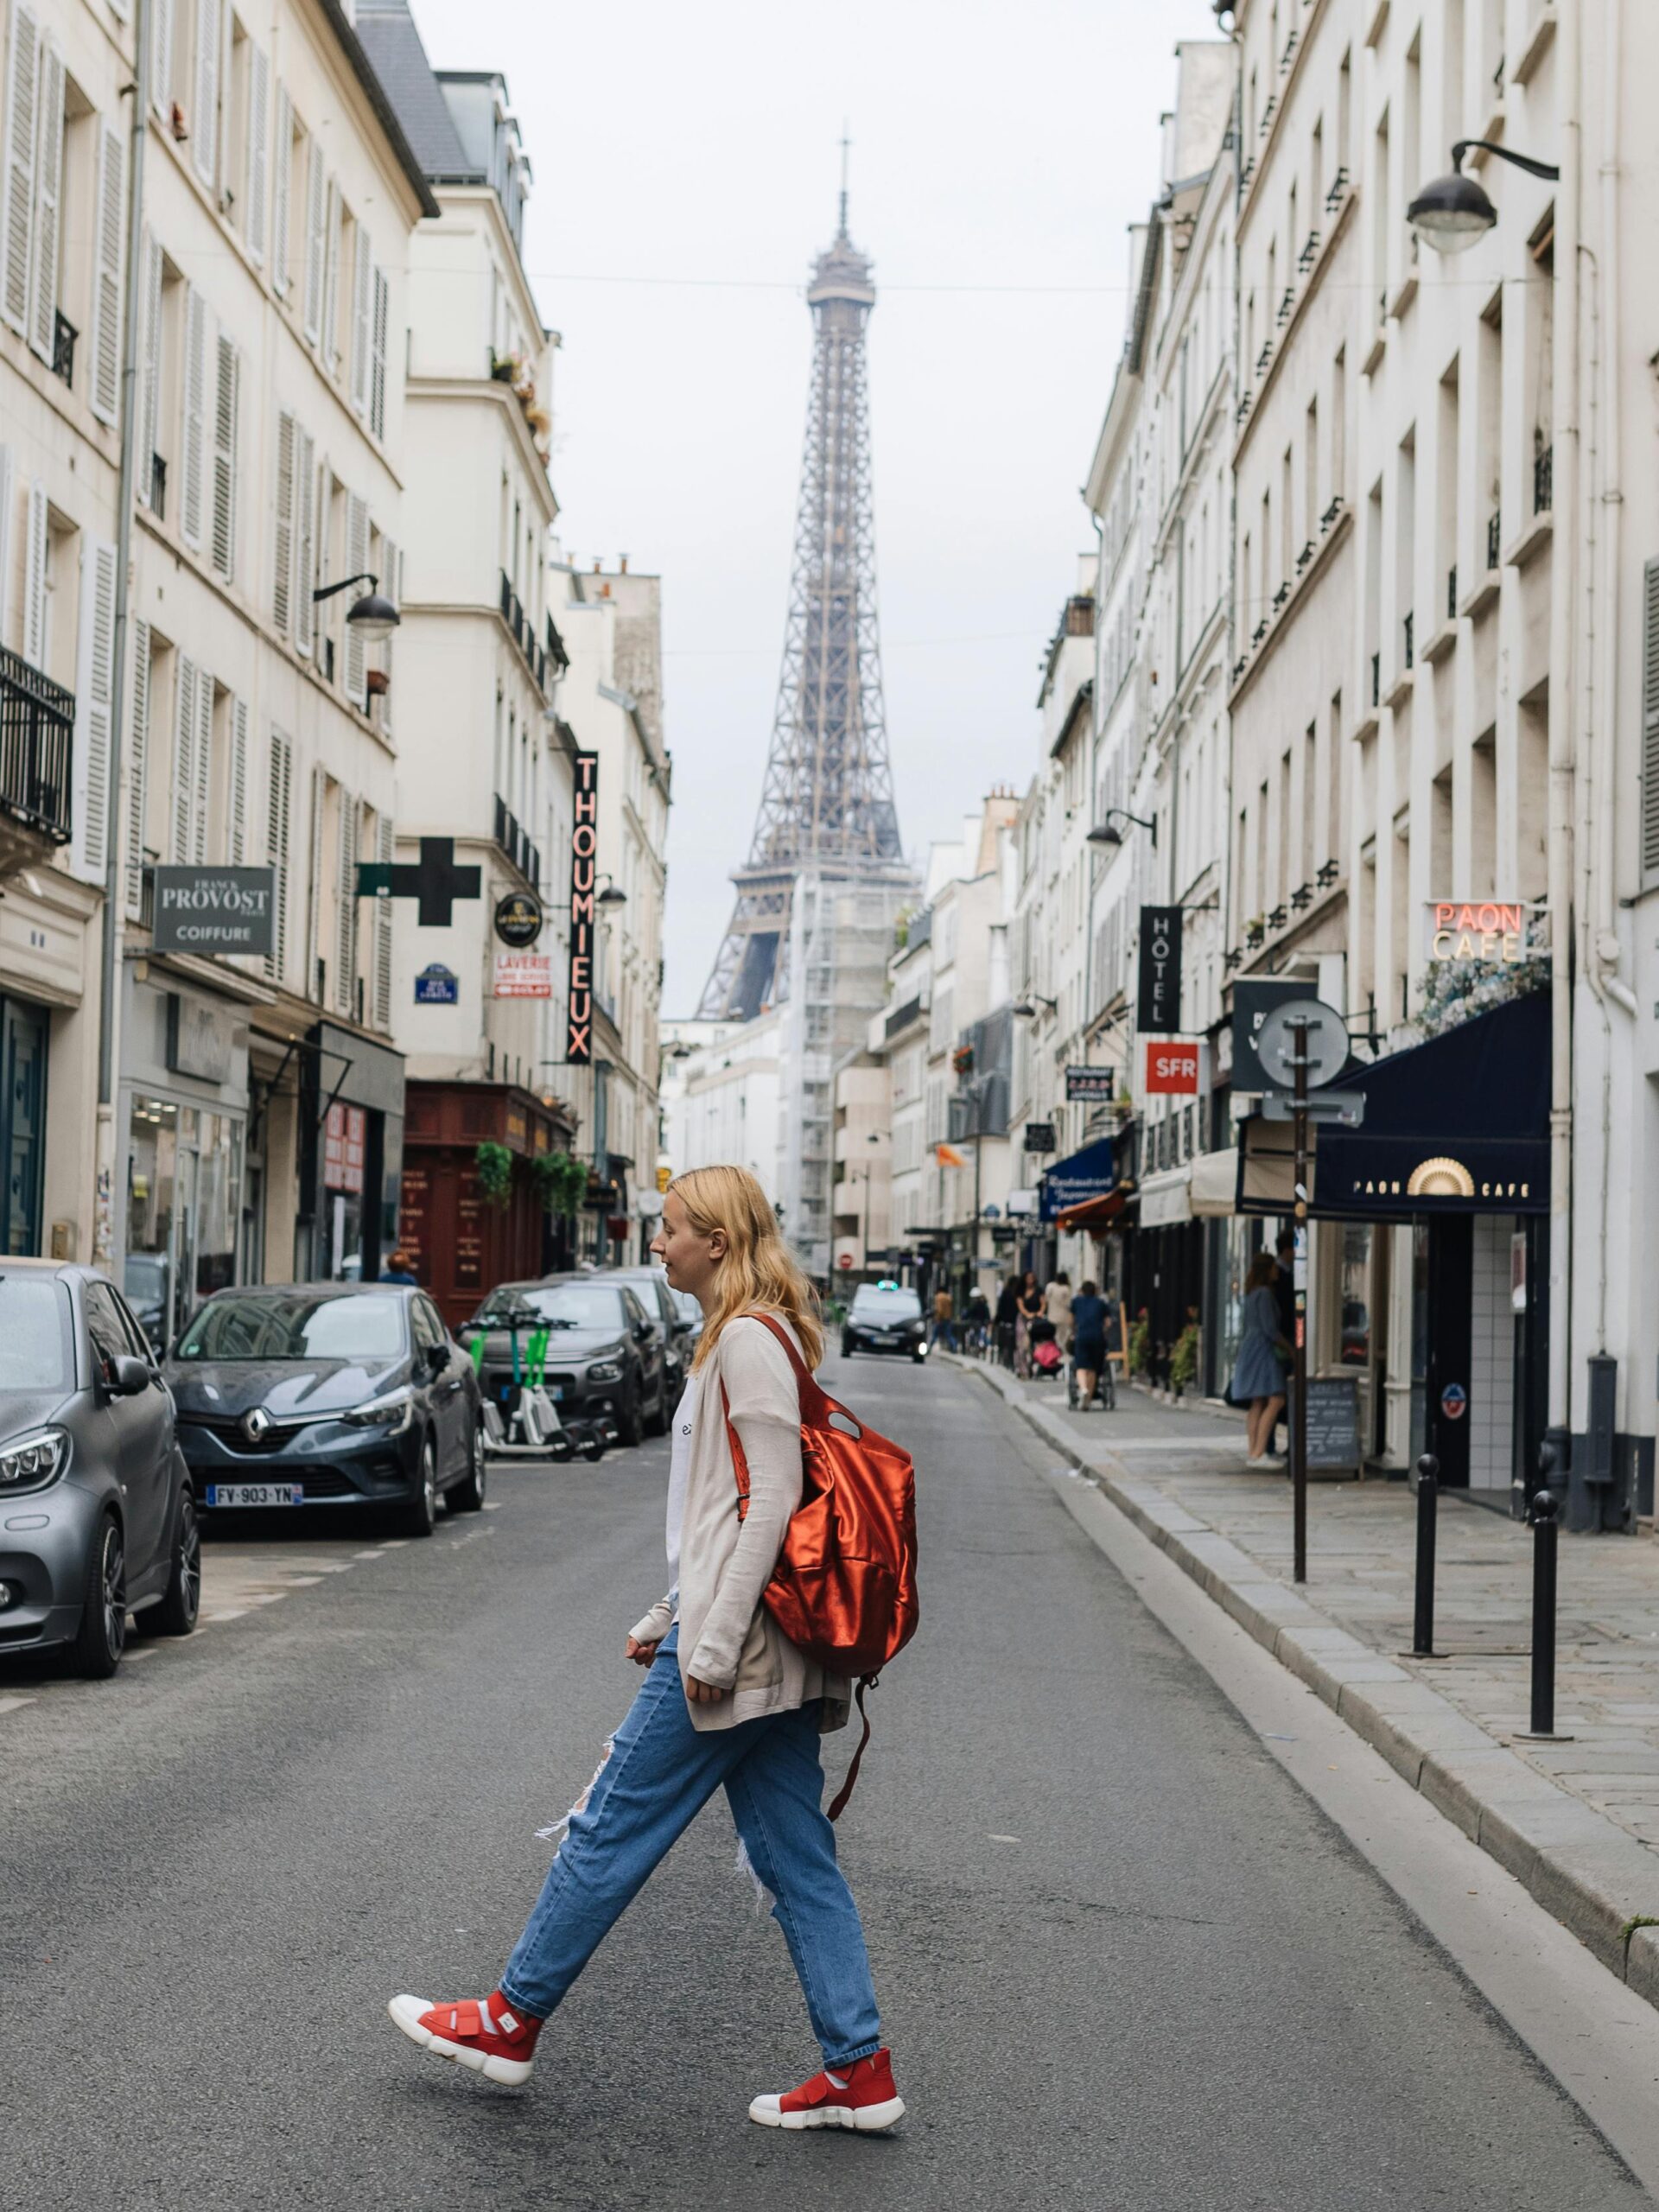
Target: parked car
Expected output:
[99,1517]
[651,1286]
[604,1355]
[884,1317]
[327,1394]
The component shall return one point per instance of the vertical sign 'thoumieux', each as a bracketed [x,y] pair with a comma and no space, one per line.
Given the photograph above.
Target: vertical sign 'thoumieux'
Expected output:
[584,862]
[1160,1008]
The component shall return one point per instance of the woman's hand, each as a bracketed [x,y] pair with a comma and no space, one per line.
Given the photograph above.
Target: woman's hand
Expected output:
[641,1654]
[703,1692]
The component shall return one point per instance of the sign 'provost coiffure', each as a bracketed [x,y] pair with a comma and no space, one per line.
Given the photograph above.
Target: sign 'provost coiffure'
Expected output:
[584,866]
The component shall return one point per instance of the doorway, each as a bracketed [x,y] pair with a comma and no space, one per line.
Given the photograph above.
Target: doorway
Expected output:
[22,1124]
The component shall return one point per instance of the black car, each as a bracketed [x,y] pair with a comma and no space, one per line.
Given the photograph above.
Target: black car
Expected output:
[884,1317]
[604,1354]
[327,1394]
[650,1286]
[98,1516]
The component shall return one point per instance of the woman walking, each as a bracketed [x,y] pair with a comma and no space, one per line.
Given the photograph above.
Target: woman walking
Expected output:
[1057,1306]
[727,1698]
[1089,1344]
[1031,1309]
[1258,1368]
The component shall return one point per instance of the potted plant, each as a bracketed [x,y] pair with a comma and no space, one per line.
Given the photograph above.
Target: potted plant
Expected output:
[494,1165]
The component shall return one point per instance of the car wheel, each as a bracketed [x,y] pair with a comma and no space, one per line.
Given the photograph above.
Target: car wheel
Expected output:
[177,1613]
[657,1420]
[468,1496]
[102,1636]
[420,1515]
[629,1419]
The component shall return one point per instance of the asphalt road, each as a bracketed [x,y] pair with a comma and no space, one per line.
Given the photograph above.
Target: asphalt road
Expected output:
[1124,1962]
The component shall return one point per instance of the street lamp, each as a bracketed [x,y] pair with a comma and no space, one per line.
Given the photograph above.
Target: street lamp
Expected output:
[1108,833]
[1453,212]
[372,617]
[1023,1010]
[612,894]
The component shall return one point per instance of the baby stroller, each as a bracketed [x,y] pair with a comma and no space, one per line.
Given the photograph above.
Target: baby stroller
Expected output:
[1105,1387]
[1046,1357]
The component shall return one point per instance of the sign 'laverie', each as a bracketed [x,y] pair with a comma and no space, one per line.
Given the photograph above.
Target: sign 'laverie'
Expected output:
[214,909]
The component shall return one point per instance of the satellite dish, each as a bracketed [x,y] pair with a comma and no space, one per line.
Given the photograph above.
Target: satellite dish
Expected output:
[1323,1045]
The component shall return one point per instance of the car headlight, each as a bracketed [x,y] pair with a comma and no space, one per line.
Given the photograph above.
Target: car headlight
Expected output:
[392,1412]
[34,1460]
[605,1370]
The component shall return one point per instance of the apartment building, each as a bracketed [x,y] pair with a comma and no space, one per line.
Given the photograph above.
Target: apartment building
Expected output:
[483,760]
[719,1096]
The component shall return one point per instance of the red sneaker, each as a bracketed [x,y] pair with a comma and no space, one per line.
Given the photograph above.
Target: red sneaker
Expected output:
[860,2096]
[483,2034]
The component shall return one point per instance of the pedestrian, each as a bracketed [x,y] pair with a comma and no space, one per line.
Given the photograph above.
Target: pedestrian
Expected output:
[977,1315]
[1284,1292]
[727,1699]
[400,1267]
[1057,1305]
[1031,1308]
[1007,1321]
[1088,1341]
[1259,1368]
[944,1319]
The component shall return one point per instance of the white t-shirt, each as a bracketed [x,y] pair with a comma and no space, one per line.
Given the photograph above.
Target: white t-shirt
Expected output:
[679,1466]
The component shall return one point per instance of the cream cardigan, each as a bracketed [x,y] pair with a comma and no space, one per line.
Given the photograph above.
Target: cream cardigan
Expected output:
[727,1635]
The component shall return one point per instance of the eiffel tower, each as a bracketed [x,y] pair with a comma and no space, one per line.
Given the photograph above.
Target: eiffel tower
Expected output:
[826,807]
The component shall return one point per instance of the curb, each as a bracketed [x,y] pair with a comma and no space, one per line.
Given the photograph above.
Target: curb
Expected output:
[1586,1872]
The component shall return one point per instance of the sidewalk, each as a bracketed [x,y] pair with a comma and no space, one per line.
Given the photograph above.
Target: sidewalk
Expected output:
[1577,1819]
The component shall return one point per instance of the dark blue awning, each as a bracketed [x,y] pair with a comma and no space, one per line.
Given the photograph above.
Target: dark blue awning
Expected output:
[1459,1124]
[1085,1174]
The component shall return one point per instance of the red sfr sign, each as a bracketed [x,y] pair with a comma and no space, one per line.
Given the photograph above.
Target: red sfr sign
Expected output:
[1170,1067]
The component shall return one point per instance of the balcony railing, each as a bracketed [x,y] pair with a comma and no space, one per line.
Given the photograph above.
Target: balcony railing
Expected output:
[37,742]
[1376,679]
[64,335]
[514,841]
[158,488]
[524,634]
[1543,480]
[1451,592]
[1494,537]
[1408,625]
[1334,198]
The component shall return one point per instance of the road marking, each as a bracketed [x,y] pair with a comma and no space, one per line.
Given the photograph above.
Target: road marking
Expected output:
[373,1554]
[138,1658]
[491,1505]
[12,1704]
[392,1544]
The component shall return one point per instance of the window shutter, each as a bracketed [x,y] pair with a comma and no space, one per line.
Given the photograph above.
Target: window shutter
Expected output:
[5,543]
[305,551]
[186,682]
[380,316]
[279,808]
[225,440]
[315,203]
[281,594]
[236,840]
[328,351]
[195,425]
[258,150]
[48,201]
[106,274]
[35,579]
[94,689]
[1649,719]
[149,398]
[346,909]
[362,312]
[282,162]
[313,877]
[160,53]
[22,64]
[204,766]
[383,909]
[203,123]
[357,562]
[137,768]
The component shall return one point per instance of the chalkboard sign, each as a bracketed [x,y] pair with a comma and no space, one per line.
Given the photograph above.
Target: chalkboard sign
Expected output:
[1333,1421]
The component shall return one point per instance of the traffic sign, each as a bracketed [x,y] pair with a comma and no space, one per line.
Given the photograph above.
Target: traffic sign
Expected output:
[1306,1028]
[1345,1106]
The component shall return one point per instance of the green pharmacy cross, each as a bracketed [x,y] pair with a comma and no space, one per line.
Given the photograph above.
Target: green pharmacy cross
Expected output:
[435,881]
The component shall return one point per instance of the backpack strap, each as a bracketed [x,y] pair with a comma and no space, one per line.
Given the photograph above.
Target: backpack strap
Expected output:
[814,1402]
[839,1803]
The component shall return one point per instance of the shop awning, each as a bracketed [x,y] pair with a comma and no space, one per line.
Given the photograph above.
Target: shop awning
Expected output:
[1459,1124]
[1215,1184]
[1081,1176]
[1165,1198]
[1097,1215]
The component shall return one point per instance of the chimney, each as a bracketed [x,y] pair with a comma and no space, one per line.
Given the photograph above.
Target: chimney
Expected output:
[622,564]
[597,564]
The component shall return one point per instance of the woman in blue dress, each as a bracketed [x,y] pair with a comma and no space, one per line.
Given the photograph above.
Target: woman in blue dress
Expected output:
[1259,1370]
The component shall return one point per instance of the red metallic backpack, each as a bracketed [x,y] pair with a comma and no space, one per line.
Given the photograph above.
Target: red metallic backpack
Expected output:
[845,1586]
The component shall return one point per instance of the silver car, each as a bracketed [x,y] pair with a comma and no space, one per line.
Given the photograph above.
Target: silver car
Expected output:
[96,1516]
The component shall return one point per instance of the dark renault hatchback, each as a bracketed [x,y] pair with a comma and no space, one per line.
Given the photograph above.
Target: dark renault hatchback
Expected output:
[327,1394]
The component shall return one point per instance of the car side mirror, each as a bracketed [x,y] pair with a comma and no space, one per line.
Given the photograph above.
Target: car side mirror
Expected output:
[129,1375]
[437,1358]
[642,1332]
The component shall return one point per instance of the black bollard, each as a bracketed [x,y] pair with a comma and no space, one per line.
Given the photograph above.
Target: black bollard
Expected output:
[1428,1494]
[1545,1534]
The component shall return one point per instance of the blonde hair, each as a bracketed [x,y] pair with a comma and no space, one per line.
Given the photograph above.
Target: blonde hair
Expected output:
[759,1272]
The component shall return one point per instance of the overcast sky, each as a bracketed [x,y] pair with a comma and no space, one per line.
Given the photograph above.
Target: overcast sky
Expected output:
[685,159]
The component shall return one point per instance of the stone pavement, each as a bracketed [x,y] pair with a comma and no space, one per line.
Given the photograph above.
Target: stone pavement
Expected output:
[1577,1818]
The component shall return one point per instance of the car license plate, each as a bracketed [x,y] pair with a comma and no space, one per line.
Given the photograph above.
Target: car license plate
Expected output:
[256,1494]
[884,1336]
[556,1391]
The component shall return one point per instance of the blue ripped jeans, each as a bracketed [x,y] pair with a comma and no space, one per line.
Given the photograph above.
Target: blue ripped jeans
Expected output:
[659,1774]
